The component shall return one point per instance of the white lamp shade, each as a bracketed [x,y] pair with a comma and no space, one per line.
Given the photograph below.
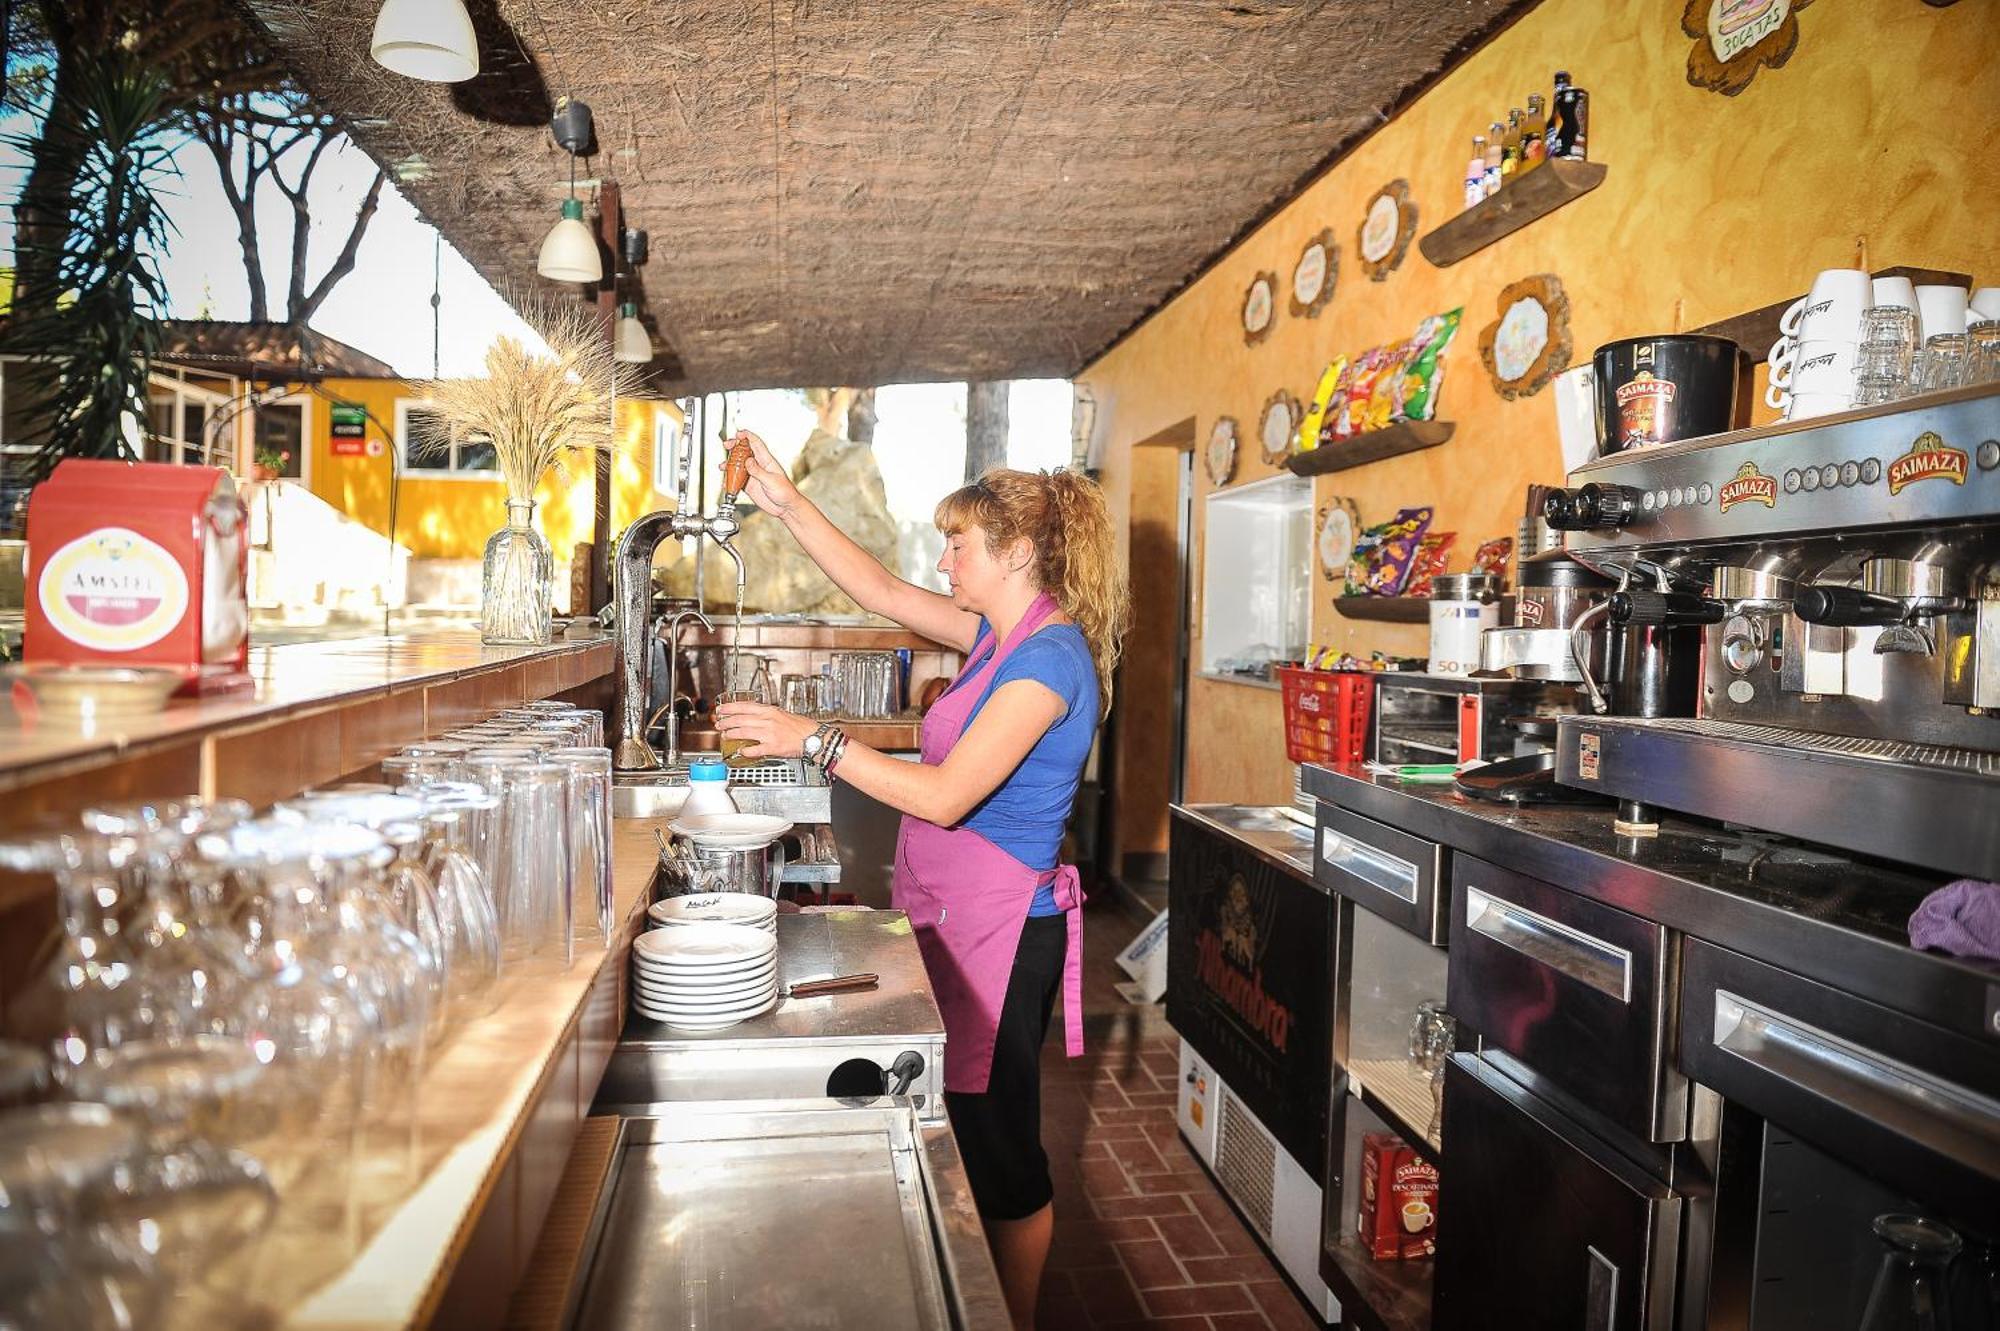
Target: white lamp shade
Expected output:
[631,344]
[569,252]
[430,40]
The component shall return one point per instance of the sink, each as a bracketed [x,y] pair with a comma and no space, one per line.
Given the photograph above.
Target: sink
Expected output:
[782,787]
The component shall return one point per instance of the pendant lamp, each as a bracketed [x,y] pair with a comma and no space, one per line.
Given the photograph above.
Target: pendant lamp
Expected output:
[631,344]
[569,251]
[430,40]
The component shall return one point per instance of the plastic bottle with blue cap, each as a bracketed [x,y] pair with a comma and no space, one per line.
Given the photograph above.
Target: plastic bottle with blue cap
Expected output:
[708,788]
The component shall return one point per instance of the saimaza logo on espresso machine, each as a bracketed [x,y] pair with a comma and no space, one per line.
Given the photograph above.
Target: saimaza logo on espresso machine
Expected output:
[113,590]
[1929,459]
[1748,486]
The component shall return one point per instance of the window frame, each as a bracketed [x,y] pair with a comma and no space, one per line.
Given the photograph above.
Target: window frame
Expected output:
[414,471]
[212,450]
[666,449]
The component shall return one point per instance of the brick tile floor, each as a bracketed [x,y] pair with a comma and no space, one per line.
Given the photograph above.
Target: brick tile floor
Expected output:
[1143,1238]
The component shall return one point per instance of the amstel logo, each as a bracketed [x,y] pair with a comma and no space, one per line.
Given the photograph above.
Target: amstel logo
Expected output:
[1748,486]
[1929,459]
[113,591]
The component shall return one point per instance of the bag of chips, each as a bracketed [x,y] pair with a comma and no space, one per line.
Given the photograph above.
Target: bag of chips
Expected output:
[1432,553]
[1492,556]
[1384,553]
[1309,425]
[1423,373]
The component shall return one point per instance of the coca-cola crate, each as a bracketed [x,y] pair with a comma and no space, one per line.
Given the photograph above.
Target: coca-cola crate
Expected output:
[1326,714]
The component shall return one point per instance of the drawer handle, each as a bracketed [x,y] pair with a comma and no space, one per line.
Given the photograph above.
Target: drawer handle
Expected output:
[1580,956]
[1378,869]
[1948,1118]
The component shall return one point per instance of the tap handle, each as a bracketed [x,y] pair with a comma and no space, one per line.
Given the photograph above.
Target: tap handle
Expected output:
[1846,607]
[736,467]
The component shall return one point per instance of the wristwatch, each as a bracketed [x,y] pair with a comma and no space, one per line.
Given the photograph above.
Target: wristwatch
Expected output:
[815,742]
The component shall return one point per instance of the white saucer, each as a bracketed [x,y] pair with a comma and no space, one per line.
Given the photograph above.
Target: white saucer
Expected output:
[675,994]
[704,1011]
[704,945]
[716,907]
[731,831]
[698,1024]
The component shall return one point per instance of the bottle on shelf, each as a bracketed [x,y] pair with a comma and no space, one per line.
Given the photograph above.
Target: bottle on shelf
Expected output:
[1534,126]
[1510,146]
[1569,121]
[1475,172]
[1490,178]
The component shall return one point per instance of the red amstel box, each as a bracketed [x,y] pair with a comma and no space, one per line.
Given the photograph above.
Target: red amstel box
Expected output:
[138,563]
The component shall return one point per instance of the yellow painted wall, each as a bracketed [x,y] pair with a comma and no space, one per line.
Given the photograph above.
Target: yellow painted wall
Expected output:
[440,517]
[1873,135]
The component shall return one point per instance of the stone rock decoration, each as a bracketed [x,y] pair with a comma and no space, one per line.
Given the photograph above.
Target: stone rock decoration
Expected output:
[1388,224]
[1733,39]
[1528,344]
[1218,459]
[1314,274]
[1278,427]
[1260,308]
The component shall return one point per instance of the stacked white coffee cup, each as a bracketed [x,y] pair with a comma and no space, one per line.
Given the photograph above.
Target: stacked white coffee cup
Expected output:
[1846,334]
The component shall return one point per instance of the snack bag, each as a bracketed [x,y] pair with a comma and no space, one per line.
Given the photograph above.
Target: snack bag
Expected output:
[1492,556]
[1329,380]
[1432,553]
[1358,563]
[1424,374]
[1390,559]
[1355,387]
[1381,408]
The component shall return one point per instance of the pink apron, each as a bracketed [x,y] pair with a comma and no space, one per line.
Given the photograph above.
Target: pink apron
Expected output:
[967,899]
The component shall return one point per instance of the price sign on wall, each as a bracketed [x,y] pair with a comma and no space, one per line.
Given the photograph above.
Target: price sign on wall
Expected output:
[350,430]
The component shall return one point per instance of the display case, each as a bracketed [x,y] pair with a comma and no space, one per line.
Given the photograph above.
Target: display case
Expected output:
[1256,588]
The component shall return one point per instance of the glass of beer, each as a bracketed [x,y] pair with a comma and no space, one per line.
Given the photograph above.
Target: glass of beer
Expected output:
[732,748]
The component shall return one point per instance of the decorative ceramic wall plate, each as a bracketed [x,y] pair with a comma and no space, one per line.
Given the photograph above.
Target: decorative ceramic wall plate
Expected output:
[1313,275]
[1388,225]
[1733,39]
[1278,427]
[1338,521]
[1219,458]
[1528,344]
[1260,308]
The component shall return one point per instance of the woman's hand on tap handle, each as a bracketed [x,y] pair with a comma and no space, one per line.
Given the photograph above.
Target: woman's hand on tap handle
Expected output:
[767,485]
[774,732]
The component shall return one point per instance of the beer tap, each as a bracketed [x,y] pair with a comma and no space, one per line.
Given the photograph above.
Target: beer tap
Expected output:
[633,580]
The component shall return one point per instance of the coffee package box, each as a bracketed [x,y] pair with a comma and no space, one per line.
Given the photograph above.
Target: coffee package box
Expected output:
[1398,1211]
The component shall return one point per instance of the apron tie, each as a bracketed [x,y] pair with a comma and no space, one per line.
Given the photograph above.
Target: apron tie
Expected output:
[1069,895]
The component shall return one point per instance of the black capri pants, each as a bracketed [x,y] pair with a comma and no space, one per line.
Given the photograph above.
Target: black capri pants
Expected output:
[999,1130]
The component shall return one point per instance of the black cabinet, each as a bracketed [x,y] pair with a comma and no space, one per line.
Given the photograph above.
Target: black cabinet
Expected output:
[1541,1225]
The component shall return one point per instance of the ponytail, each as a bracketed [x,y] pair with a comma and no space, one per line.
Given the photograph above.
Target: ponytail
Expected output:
[1065,518]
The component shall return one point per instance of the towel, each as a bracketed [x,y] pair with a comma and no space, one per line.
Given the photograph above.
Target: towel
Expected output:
[1962,918]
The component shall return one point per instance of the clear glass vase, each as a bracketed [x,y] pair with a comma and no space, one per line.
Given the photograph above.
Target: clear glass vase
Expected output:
[516,582]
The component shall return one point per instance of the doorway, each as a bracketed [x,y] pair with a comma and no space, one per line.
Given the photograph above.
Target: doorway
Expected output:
[1152,681]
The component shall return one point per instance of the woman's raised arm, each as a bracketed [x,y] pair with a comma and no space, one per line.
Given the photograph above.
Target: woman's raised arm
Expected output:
[853,570]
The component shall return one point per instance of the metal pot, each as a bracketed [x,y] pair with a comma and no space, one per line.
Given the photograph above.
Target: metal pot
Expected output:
[1658,390]
[687,868]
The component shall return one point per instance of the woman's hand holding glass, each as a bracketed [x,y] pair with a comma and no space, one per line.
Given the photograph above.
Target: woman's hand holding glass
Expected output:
[771,731]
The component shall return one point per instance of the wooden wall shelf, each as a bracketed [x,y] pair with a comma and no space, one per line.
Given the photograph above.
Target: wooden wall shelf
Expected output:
[1391,441]
[1534,194]
[1756,330]
[1385,609]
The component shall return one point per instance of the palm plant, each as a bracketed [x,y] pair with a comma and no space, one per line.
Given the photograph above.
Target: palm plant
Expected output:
[86,351]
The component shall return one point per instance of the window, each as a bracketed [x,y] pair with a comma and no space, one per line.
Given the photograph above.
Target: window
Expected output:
[665,437]
[281,437]
[16,457]
[177,422]
[427,448]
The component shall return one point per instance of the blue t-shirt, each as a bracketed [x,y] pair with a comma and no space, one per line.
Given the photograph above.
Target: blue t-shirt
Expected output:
[1025,815]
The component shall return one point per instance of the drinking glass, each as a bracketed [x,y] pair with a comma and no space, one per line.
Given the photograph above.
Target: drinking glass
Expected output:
[537,890]
[796,694]
[1910,1292]
[1942,364]
[588,792]
[190,1198]
[465,905]
[85,1000]
[404,770]
[57,1270]
[1982,356]
[24,1075]
[732,748]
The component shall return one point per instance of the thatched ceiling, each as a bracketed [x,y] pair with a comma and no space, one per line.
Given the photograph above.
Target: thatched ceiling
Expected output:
[879,191]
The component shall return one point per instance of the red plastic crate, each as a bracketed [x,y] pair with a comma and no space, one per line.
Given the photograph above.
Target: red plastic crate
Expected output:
[1326,714]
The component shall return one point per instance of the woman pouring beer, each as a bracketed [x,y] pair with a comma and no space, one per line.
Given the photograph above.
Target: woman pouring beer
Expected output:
[1038,607]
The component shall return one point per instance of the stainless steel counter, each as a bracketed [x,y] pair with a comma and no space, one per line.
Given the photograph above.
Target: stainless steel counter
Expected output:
[864,1213]
[1285,842]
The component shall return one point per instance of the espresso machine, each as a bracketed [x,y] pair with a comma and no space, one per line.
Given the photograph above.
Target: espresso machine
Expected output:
[1840,578]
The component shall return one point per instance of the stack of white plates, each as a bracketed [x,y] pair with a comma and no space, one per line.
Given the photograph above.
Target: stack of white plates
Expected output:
[742,908]
[704,976]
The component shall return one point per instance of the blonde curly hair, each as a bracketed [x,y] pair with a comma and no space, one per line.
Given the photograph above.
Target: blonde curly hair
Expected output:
[1064,517]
